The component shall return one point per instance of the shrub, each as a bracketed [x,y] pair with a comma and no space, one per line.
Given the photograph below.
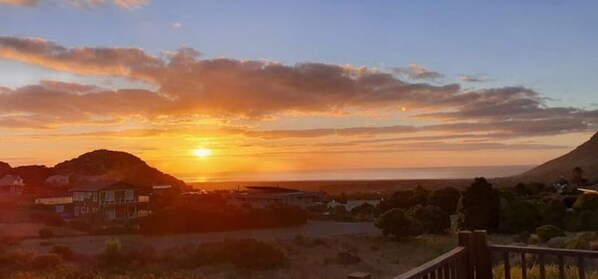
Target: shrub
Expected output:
[343,258]
[112,256]
[63,251]
[557,242]
[397,223]
[517,214]
[586,202]
[580,241]
[547,232]
[432,218]
[522,237]
[45,233]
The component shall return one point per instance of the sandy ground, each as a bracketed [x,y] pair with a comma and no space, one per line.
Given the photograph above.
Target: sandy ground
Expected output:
[94,244]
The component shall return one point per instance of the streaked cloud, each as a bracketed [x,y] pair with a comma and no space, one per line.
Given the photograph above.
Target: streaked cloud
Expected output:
[474,78]
[416,72]
[188,86]
[22,3]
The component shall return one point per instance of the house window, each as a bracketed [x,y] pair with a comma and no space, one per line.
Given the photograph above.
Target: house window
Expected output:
[76,211]
[110,196]
[95,197]
[129,195]
[110,214]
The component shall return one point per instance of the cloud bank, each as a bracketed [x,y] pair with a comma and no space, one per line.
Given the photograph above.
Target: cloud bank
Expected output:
[188,85]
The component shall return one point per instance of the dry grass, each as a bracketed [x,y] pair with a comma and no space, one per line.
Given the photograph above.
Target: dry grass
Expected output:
[552,271]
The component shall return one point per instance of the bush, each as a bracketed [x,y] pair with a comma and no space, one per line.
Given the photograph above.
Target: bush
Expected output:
[112,256]
[397,223]
[547,232]
[245,253]
[63,251]
[580,241]
[343,258]
[517,214]
[45,233]
[432,218]
[557,242]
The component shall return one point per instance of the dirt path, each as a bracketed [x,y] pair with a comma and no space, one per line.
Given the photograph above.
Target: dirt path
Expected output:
[94,244]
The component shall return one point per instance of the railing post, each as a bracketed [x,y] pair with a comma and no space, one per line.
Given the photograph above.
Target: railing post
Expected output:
[465,268]
[483,265]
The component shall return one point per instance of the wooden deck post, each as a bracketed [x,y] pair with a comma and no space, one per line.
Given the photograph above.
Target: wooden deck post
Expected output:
[483,265]
[465,268]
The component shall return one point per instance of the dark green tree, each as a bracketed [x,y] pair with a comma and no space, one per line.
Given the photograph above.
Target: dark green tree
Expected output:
[479,207]
[432,218]
[398,223]
[446,198]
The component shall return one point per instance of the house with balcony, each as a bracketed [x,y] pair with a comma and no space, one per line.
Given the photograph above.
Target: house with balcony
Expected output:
[109,200]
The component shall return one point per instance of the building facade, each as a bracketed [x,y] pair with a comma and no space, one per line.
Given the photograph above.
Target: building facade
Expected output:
[109,201]
[11,184]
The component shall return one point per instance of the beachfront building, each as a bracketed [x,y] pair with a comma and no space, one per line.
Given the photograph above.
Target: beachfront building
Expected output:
[11,185]
[60,204]
[109,200]
[262,196]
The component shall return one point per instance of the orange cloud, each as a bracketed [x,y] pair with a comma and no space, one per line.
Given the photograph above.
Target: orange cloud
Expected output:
[22,3]
[191,87]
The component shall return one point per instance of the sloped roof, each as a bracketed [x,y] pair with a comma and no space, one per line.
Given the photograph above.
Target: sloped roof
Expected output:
[9,179]
[93,186]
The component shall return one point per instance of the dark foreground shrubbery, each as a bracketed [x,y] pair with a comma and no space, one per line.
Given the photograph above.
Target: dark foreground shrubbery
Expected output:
[245,254]
[196,218]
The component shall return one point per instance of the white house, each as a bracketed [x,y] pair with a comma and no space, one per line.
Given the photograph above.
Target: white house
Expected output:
[11,184]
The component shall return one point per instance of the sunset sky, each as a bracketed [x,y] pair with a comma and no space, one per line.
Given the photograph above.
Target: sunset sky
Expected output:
[199,88]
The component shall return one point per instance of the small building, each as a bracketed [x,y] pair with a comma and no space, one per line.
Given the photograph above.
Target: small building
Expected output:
[11,184]
[109,200]
[262,196]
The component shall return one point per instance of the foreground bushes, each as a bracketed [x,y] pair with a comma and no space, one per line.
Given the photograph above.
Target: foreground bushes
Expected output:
[221,217]
[417,220]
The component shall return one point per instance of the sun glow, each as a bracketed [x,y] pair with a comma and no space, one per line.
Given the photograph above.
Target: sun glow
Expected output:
[202,152]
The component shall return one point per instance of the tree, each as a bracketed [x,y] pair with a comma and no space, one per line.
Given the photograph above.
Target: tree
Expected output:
[432,218]
[517,214]
[396,222]
[554,213]
[479,207]
[445,198]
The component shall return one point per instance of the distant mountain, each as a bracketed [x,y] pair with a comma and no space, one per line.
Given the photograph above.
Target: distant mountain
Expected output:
[116,165]
[5,168]
[584,156]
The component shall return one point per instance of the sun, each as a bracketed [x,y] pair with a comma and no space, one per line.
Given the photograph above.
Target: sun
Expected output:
[202,152]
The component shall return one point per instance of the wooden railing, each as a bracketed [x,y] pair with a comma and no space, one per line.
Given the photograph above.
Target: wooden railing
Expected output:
[472,259]
[580,257]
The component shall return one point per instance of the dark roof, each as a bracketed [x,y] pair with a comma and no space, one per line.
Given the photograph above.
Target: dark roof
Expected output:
[271,189]
[93,186]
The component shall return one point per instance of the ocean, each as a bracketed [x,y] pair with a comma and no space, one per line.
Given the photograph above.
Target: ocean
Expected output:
[366,174]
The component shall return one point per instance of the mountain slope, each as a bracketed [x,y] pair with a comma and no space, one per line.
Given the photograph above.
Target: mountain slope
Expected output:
[584,156]
[117,165]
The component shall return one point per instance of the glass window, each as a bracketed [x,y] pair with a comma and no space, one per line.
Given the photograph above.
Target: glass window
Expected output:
[129,195]
[110,196]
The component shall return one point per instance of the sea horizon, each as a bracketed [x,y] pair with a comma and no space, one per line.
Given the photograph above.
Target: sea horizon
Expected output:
[457,172]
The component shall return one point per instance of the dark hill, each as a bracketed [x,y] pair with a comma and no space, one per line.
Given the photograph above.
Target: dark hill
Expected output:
[117,165]
[584,156]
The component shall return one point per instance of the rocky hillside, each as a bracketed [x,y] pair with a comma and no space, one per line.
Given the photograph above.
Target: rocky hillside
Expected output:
[116,165]
[99,163]
[584,156]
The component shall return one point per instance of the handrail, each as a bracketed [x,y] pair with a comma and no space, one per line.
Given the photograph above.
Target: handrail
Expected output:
[545,251]
[435,264]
